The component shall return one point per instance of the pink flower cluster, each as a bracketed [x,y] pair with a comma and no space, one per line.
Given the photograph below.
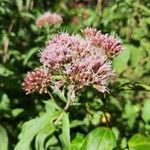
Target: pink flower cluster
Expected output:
[59,50]
[111,45]
[92,70]
[37,81]
[80,61]
[49,18]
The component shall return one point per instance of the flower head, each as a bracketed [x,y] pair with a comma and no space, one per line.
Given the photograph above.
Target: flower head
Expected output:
[37,81]
[53,56]
[59,50]
[81,62]
[91,69]
[78,61]
[111,45]
[49,18]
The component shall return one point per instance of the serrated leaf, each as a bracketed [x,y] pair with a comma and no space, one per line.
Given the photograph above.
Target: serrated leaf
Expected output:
[3,138]
[41,137]
[99,139]
[51,106]
[33,127]
[65,137]
[139,142]
[51,141]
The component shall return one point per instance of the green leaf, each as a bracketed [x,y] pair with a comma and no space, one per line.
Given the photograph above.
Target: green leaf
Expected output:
[51,106]
[41,137]
[51,142]
[123,143]
[130,113]
[60,95]
[75,123]
[28,15]
[4,102]
[139,142]
[30,54]
[27,4]
[19,4]
[116,132]
[146,111]
[144,8]
[5,71]
[76,142]
[3,138]
[135,55]
[33,127]
[17,111]
[146,87]
[120,62]
[147,20]
[65,137]
[99,139]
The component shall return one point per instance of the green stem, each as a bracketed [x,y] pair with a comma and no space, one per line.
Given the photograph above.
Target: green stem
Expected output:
[61,115]
[50,94]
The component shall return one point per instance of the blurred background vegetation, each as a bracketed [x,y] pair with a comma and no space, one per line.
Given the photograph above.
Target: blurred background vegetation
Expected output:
[127,106]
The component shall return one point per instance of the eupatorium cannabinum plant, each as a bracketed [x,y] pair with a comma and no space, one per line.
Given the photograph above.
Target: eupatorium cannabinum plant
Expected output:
[77,61]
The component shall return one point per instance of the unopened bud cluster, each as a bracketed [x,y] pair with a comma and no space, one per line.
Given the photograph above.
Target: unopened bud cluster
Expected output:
[37,81]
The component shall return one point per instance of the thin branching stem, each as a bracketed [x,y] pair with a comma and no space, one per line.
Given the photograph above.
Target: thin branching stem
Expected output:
[51,96]
[61,115]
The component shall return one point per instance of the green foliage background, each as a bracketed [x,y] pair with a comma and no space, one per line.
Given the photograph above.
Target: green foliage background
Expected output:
[121,117]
